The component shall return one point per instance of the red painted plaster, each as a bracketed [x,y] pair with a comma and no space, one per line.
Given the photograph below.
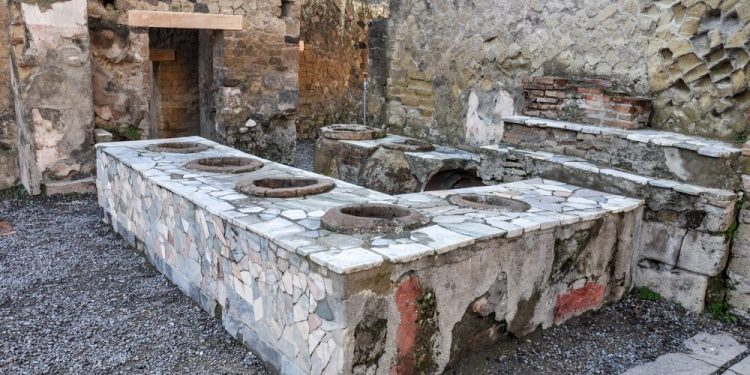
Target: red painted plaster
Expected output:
[577,301]
[407,294]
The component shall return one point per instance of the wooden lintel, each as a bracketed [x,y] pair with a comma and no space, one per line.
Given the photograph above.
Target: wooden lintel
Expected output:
[178,20]
[155,54]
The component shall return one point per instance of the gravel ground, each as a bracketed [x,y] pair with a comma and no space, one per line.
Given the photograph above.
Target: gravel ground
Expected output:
[74,298]
[305,154]
[609,341]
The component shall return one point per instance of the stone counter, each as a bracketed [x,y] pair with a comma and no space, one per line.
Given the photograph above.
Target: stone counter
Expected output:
[368,163]
[307,300]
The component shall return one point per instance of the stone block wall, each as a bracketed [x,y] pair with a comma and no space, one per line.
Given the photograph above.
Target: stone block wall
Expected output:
[51,75]
[684,242]
[457,68]
[251,87]
[121,72]
[586,101]
[331,67]
[699,67]
[738,268]
[9,172]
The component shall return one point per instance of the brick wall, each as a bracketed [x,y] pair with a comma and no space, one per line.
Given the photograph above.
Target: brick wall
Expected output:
[175,100]
[251,88]
[332,63]
[413,90]
[584,100]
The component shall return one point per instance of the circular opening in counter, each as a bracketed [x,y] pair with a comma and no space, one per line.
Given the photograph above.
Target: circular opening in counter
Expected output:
[351,132]
[285,187]
[178,147]
[489,202]
[225,164]
[366,218]
[410,145]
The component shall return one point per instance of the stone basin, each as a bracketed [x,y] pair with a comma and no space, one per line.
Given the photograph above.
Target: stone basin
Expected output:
[225,165]
[178,147]
[353,132]
[489,202]
[285,187]
[410,145]
[367,218]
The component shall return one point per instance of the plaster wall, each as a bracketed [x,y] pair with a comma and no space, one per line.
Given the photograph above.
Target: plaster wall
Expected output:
[455,68]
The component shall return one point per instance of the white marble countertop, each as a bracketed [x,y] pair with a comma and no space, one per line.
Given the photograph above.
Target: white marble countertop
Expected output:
[294,223]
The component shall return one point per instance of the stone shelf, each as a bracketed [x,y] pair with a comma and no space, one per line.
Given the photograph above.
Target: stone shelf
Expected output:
[650,153]
[583,165]
[702,146]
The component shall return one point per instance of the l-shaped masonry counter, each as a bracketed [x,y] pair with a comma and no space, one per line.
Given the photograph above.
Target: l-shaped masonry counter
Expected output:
[309,301]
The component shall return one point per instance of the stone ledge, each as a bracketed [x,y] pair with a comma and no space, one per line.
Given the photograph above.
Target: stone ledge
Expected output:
[85,185]
[702,146]
[177,20]
[583,165]
[649,153]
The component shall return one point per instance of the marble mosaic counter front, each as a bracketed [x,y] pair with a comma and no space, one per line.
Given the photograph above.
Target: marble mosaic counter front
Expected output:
[298,295]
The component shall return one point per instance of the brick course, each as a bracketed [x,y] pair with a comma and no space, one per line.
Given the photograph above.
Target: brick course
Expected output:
[584,100]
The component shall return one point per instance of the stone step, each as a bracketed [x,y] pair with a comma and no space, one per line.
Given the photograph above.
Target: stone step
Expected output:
[685,235]
[650,153]
[704,353]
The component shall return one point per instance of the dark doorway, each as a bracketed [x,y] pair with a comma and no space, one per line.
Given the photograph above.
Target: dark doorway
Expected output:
[175,100]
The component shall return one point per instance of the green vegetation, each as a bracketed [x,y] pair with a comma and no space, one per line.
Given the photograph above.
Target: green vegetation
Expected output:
[720,311]
[647,294]
[14,192]
[741,138]
[132,133]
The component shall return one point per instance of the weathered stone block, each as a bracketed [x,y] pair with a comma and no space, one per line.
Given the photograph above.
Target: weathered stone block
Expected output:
[741,243]
[86,185]
[738,272]
[740,303]
[660,242]
[684,287]
[704,253]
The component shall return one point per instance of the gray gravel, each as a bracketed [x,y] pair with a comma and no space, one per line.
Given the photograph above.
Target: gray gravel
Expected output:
[305,155]
[609,341]
[75,299]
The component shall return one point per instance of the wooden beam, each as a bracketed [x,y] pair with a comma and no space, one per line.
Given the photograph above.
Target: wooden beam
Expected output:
[178,20]
[161,54]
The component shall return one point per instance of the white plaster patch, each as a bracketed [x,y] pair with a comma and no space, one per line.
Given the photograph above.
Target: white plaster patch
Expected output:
[480,130]
[63,15]
[675,164]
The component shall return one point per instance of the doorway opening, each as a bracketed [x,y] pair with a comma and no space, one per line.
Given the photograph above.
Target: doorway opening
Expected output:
[182,67]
